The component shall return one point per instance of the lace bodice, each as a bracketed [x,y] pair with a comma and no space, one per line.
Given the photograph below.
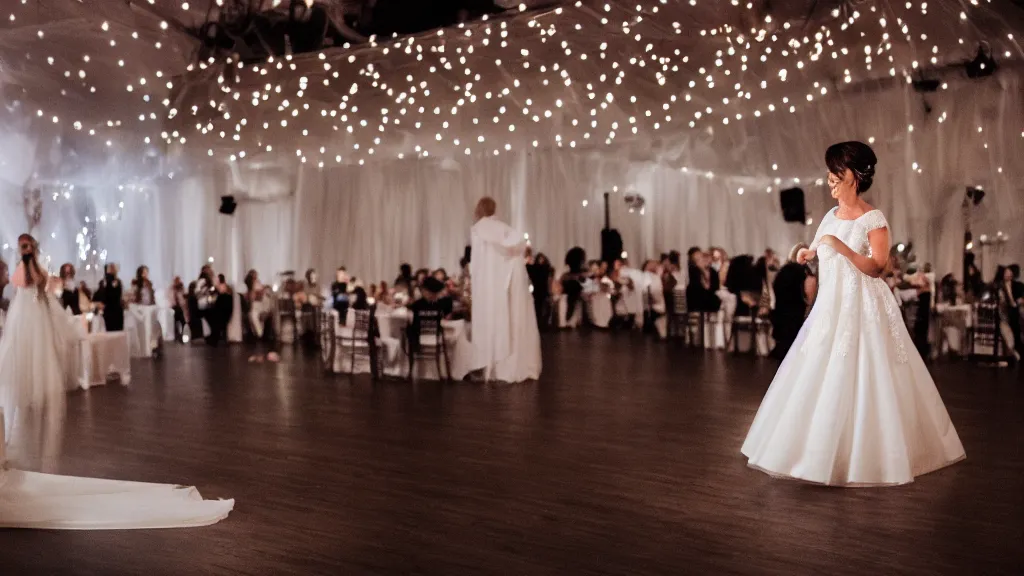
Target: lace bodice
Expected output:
[852,232]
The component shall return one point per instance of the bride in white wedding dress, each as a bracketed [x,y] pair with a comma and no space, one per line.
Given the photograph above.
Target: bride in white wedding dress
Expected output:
[852,403]
[32,376]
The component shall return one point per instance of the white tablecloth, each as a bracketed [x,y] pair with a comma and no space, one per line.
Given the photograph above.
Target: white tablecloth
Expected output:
[954,321]
[96,356]
[142,323]
[599,309]
[166,318]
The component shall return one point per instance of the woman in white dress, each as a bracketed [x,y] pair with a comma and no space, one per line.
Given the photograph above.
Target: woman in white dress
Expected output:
[852,403]
[33,348]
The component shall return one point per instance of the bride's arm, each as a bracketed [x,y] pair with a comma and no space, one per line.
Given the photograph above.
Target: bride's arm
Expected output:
[873,265]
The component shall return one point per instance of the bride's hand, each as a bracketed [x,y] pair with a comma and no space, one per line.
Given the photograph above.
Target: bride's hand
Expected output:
[830,240]
[804,255]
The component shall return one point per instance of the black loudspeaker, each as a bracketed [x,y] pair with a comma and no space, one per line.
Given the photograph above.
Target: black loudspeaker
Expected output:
[228,205]
[793,209]
[611,245]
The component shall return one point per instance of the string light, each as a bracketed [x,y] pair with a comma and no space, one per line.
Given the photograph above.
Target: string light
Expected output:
[566,78]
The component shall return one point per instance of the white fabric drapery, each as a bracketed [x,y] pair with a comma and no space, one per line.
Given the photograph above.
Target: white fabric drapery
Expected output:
[371,218]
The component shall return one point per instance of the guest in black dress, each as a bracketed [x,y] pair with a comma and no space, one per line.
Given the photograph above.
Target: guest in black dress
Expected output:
[572,281]
[795,288]
[110,296]
[540,272]
[702,285]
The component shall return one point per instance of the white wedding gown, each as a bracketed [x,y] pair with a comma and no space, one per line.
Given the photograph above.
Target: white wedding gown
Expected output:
[32,378]
[852,403]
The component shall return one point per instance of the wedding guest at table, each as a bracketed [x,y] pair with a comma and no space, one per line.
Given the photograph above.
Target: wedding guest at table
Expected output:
[5,279]
[223,308]
[70,296]
[572,280]
[949,290]
[431,299]
[404,281]
[202,300]
[260,319]
[339,293]
[720,263]
[360,301]
[703,283]
[1016,286]
[974,284]
[110,296]
[178,298]
[795,289]
[1009,309]
[314,294]
[142,288]
[195,314]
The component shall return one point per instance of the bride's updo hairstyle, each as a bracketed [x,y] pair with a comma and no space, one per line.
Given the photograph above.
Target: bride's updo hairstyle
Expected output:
[858,157]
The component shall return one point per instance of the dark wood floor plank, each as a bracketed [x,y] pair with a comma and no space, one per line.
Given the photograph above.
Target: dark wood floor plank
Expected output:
[623,459]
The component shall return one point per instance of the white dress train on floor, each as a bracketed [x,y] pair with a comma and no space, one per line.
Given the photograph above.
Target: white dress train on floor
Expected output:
[852,404]
[32,378]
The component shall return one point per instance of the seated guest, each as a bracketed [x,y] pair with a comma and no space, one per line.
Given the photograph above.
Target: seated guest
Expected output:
[202,300]
[142,288]
[745,281]
[178,300]
[260,319]
[703,283]
[339,294]
[70,296]
[314,295]
[360,301]
[110,296]
[404,282]
[431,299]
[795,288]
[720,264]
[384,294]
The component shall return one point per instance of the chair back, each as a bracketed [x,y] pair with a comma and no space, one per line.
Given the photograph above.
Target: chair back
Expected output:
[679,300]
[427,323]
[363,323]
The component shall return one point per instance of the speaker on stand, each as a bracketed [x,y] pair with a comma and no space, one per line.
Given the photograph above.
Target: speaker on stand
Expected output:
[228,205]
[793,208]
[611,240]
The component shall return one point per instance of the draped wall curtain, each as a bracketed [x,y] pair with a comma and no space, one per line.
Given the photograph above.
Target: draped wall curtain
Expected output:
[372,218]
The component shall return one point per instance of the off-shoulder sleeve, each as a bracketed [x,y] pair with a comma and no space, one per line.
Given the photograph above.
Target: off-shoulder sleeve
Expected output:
[874,220]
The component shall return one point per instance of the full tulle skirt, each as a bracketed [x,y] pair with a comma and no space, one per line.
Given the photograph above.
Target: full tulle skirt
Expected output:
[51,502]
[33,349]
[853,403]
[33,376]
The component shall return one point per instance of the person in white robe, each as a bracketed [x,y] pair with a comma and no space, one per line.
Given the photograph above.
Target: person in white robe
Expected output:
[506,341]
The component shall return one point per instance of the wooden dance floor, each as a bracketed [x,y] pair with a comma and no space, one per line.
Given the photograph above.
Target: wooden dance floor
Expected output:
[623,460]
